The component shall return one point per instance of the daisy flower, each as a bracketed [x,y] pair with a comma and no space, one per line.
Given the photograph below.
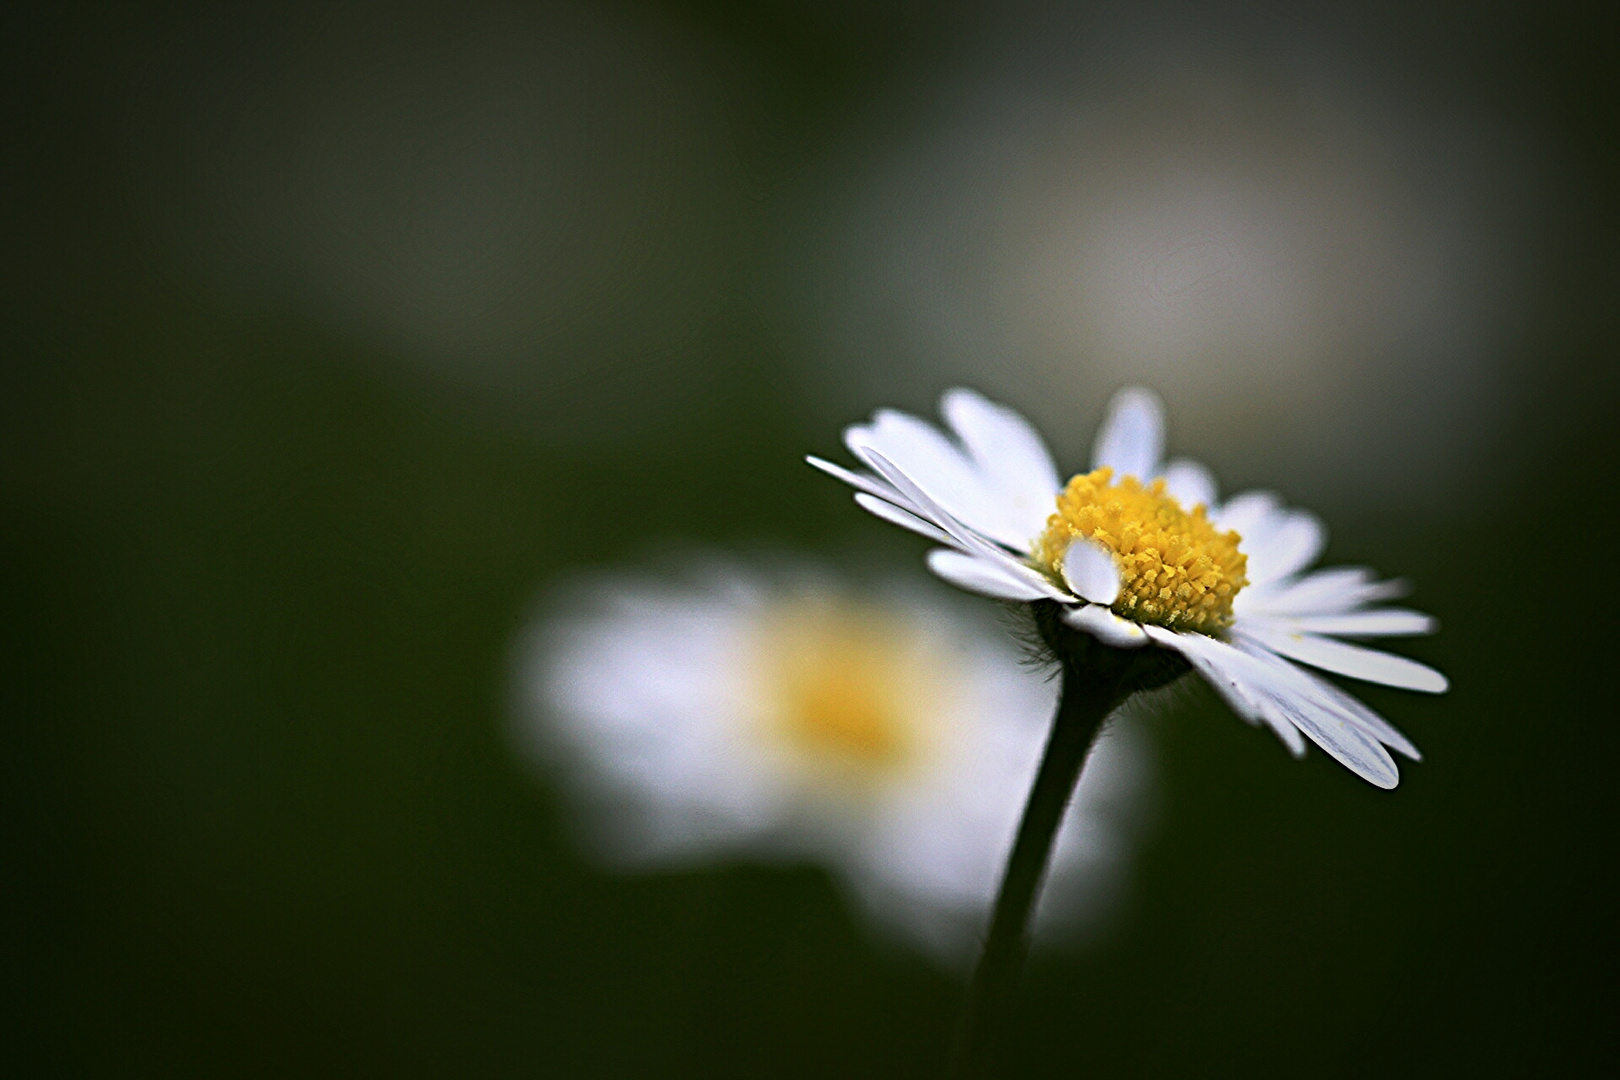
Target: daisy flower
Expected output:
[1140,554]
[777,715]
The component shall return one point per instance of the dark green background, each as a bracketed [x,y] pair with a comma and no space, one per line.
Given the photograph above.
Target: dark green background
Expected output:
[260,817]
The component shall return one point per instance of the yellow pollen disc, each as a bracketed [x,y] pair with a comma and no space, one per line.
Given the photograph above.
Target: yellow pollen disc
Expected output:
[1176,569]
[846,687]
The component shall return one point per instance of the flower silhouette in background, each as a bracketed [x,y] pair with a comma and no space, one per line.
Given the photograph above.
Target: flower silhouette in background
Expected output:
[1316,250]
[1137,553]
[891,735]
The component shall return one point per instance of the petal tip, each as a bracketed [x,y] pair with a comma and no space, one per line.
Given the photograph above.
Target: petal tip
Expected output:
[1131,438]
[957,396]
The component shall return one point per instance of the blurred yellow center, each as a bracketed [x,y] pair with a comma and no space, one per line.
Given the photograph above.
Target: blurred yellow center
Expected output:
[1176,569]
[844,684]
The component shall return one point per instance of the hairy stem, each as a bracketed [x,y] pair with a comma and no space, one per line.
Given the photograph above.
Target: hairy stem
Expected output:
[1086,699]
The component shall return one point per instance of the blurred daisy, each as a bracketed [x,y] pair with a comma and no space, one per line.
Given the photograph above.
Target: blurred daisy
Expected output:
[1137,553]
[891,736]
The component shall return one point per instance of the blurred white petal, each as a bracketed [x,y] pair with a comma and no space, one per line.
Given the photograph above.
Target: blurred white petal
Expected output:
[1246,514]
[657,704]
[1321,593]
[1131,439]
[1190,483]
[1287,541]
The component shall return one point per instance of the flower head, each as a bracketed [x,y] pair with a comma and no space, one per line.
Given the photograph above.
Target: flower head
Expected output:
[775,714]
[1138,553]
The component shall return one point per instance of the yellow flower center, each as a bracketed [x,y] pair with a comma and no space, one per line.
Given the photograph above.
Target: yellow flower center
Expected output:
[850,694]
[1176,569]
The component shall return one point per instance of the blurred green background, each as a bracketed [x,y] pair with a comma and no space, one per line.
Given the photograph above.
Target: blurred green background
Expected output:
[276,508]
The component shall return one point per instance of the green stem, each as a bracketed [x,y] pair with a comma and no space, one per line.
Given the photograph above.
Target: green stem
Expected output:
[1083,704]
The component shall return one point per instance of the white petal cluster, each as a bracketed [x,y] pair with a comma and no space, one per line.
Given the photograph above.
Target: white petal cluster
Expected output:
[985,489]
[644,693]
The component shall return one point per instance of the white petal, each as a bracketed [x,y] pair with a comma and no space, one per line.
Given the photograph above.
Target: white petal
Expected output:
[872,485]
[1345,659]
[1106,627]
[1369,721]
[964,537]
[976,575]
[1324,592]
[937,466]
[1131,440]
[1291,738]
[1247,512]
[903,518]
[1009,454]
[1379,622]
[1336,733]
[1281,698]
[1233,691]
[1283,543]
[1090,571]
[1190,483]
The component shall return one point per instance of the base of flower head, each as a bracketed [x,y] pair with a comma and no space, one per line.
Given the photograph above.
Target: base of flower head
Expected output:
[1129,670]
